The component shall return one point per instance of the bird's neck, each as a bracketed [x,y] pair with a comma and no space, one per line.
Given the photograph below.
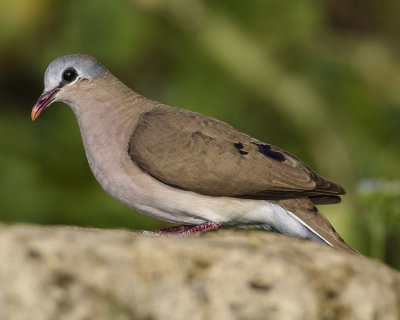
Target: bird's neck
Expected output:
[107,113]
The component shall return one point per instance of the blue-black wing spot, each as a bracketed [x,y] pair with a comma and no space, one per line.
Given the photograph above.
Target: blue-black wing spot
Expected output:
[239,146]
[265,149]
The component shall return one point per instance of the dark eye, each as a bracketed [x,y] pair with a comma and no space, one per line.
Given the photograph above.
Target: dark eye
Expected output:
[69,75]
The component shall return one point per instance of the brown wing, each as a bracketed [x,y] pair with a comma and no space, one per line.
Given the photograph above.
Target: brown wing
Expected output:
[198,153]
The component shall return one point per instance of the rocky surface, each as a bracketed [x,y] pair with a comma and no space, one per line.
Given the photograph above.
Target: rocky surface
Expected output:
[76,273]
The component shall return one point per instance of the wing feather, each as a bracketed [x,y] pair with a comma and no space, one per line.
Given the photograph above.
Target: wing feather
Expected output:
[201,154]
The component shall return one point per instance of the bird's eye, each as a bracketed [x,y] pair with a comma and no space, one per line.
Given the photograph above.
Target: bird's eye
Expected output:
[69,75]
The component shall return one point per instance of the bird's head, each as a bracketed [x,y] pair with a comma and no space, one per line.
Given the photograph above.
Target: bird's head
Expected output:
[62,76]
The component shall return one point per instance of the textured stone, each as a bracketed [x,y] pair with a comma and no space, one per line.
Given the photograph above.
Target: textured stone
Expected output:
[75,273]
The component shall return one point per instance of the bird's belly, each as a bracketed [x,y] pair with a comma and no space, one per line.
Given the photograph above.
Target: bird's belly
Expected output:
[139,191]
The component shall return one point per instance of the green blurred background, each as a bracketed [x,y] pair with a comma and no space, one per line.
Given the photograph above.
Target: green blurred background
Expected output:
[320,79]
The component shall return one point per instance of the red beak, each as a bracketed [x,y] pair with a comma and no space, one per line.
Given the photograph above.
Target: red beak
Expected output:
[44,101]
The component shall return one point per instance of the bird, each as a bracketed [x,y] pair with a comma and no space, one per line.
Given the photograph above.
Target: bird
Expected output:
[184,167]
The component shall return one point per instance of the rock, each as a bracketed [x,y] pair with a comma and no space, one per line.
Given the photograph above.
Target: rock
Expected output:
[76,273]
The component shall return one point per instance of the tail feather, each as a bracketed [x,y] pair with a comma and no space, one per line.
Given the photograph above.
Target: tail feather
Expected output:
[304,210]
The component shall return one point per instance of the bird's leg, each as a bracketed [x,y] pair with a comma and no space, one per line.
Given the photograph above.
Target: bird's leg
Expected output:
[173,230]
[185,230]
[200,228]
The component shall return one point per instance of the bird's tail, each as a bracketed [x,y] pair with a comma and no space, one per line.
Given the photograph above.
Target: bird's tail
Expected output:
[304,211]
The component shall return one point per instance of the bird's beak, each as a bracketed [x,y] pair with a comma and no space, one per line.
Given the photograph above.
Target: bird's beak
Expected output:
[46,99]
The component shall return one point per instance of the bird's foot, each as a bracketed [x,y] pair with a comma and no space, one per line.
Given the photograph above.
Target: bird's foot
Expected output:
[200,228]
[173,230]
[185,230]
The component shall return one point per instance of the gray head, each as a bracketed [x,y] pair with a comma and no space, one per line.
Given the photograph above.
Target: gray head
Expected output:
[65,71]
[70,68]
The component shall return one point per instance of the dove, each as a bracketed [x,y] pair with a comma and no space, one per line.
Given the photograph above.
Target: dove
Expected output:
[184,167]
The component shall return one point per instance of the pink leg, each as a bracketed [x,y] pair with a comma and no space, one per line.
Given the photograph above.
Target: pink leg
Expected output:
[200,228]
[185,230]
[174,229]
